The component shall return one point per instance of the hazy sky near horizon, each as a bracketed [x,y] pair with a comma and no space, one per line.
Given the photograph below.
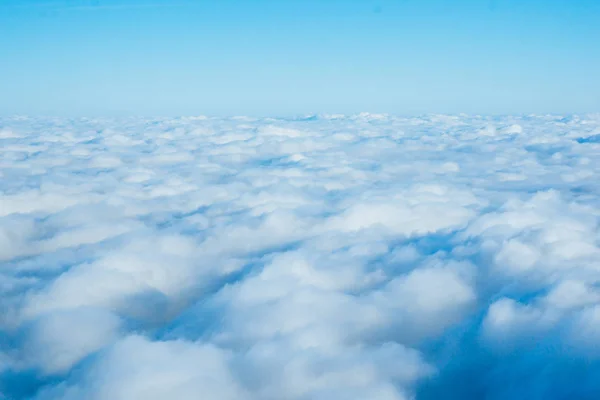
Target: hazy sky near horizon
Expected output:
[260,57]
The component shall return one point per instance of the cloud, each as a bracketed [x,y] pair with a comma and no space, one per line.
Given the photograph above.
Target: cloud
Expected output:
[138,368]
[55,342]
[327,257]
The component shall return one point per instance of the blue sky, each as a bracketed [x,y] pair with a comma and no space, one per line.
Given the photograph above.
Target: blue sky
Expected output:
[259,57]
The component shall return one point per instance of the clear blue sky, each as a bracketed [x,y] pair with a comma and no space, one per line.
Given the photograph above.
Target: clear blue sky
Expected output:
[261,57]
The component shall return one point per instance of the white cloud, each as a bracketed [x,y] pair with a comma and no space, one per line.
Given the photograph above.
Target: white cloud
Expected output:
[56,341]
[427,300]
[135,368]
[330,257]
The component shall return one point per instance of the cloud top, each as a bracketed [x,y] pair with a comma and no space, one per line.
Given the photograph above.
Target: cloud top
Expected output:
[330,257]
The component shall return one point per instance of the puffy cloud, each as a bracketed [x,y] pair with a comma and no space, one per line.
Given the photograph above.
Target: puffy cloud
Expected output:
[326,257]
[55,342]
[138,368]
[427,300]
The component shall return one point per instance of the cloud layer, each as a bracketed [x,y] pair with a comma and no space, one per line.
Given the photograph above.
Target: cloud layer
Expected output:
[326,257]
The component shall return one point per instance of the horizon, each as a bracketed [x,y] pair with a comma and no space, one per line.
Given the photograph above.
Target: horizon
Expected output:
[303,116]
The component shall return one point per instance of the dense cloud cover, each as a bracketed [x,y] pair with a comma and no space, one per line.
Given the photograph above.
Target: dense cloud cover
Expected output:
[330,257]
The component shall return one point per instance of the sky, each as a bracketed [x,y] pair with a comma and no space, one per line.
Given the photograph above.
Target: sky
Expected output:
[266,57]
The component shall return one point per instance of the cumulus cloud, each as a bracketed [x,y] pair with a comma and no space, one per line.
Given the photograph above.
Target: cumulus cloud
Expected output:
[329,257]
[138,368]
[55,342]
